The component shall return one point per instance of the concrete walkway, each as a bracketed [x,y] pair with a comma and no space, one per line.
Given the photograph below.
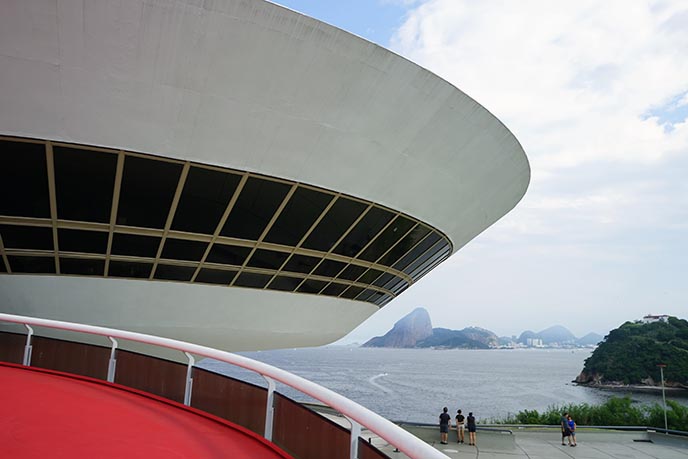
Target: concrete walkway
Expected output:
[511,442]
[546,444]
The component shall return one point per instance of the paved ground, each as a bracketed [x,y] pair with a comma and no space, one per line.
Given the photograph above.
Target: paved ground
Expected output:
[509,442]
[546,444]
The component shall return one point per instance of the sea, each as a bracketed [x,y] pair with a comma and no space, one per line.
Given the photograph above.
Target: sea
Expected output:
[415,384]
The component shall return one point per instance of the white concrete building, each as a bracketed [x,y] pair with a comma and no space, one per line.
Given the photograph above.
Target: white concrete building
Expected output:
[230,173]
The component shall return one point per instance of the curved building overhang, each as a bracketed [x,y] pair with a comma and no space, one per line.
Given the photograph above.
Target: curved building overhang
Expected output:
[251,87]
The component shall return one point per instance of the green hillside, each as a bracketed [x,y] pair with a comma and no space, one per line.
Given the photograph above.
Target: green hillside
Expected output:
[630,354]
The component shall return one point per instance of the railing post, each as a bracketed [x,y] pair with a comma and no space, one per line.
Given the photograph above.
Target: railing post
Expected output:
[269,408]
[28,349]
[355,433]
[112,364]
[189,379]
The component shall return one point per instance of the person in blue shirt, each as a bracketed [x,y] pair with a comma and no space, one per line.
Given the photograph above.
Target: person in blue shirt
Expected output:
[572,428]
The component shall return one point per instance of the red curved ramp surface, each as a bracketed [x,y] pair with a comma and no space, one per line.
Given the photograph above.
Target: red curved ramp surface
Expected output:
[51,414]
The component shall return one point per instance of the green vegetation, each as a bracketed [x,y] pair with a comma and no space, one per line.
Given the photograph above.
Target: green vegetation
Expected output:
[615,412]
[630,354]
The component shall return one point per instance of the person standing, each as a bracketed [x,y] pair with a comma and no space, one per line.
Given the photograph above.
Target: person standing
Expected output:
[444,425]
[460,425]
[564,428]
[572,429]
[470,421]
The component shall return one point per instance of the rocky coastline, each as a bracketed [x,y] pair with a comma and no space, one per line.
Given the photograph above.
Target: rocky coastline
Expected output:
[647,385]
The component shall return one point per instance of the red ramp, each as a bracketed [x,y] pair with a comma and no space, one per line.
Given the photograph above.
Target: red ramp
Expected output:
[56,415]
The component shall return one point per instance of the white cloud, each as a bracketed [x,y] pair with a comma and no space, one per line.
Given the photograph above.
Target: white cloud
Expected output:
[572,79]
[593,91]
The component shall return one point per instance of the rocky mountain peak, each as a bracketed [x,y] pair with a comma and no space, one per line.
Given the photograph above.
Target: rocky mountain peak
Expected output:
[410,329]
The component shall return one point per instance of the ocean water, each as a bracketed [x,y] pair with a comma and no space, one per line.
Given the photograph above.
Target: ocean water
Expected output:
[414,384]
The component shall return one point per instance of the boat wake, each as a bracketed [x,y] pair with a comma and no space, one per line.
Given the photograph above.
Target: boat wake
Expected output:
[379,386]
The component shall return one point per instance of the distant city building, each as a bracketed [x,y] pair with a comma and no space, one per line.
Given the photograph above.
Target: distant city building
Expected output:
[648,319]
[534,342]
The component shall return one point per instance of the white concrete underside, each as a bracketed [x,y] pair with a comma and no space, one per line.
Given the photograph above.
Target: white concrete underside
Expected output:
[221,317]
[248,85]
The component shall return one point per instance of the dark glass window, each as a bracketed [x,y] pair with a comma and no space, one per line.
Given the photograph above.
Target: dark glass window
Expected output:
[23,180]
[301,264]
[312,286]
[129,269]
[329,268]
[228,254]
[382,280]
[383,300]
[423,258]
[365,295]
[254,280]
[268,259]
[204,199]
[3,269]
[284,283]
[148,188]
[334,289]
[253,210]
[375,297]
[84,182]
[180,249]
[386,239]
[364,232]
[134,245]
[423,268]
[410,240]
[27,237]
[396,285]
[424,245]
[352,272]
[351,292]
[82,266]
[70,240]
[298,215]
[32,264]
[336,222]
[369,276]
[176,273]
[215,276]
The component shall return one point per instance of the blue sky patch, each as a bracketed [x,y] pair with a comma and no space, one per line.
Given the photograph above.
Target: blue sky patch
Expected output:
[673,112]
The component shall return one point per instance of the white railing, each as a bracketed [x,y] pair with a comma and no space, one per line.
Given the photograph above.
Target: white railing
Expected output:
[358,415]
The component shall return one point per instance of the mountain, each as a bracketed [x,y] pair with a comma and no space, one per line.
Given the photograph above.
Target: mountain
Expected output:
[415,330]
[556,334]
[468,338]
[409,330]
[630,355]
[526,335]
[590,339]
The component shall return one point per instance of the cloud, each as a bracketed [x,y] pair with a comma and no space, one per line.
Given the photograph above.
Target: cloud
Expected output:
[588,88]
[596,93]
[573,80]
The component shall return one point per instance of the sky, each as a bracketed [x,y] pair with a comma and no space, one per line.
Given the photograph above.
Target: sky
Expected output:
[597,94]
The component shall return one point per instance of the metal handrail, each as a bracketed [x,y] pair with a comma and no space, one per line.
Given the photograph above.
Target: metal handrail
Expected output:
[412,446]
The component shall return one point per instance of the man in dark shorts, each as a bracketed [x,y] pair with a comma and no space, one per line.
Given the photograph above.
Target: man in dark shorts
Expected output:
[444,425]
[564,428]
[470,424]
